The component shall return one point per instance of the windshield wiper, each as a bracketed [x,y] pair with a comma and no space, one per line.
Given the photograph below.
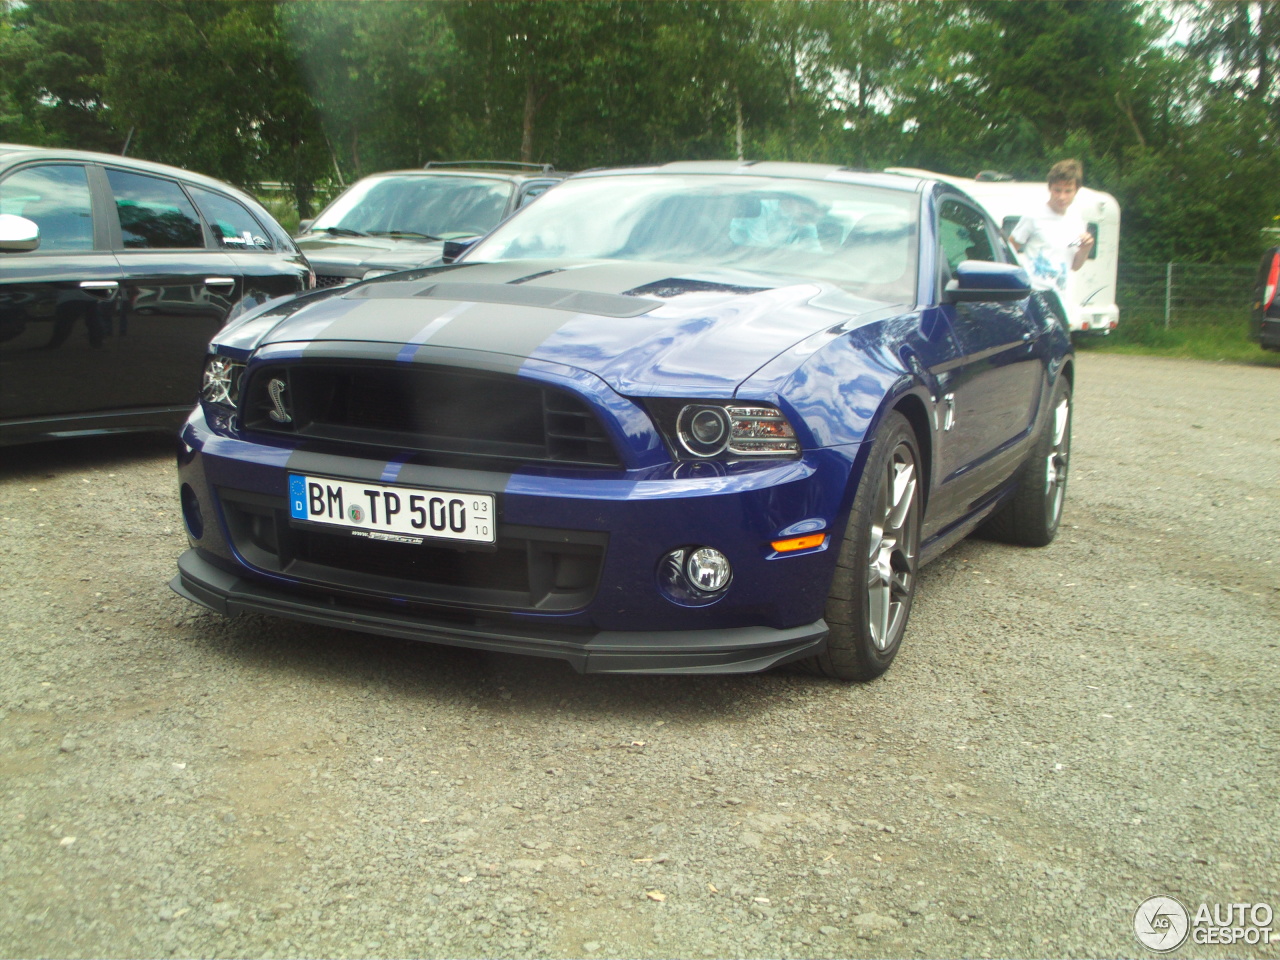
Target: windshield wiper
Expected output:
[404,233]
[340,231]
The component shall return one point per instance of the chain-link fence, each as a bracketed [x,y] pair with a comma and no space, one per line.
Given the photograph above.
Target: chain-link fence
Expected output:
[1184,293]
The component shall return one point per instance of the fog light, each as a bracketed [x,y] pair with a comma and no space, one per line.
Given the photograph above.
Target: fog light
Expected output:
[708,570]
[694,576]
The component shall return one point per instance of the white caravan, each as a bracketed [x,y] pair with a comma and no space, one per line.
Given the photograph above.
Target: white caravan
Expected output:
[1092,288]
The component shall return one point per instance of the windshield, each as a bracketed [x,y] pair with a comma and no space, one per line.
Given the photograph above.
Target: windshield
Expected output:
[861,238]
[437,207]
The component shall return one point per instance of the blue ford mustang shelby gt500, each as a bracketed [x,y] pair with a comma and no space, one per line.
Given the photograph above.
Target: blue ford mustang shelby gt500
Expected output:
[705,417]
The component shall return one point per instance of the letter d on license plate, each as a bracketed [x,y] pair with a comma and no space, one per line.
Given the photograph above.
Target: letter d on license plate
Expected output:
[398,514]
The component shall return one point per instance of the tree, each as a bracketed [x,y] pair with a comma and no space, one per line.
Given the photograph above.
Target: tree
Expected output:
[214,87]
[377,73]
[52,58]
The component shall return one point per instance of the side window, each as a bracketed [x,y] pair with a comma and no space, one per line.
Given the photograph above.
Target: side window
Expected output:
[57,198]
[962,233]
[154,213]
[535,191]
[234,227]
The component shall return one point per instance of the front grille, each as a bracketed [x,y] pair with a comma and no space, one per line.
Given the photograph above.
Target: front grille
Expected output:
[428,409]
[331,280]
[531,568]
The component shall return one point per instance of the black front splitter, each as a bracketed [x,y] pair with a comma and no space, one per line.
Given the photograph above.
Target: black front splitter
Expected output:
[736,650]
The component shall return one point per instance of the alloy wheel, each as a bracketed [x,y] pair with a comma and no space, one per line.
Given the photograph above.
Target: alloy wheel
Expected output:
[1055,475]
[891,559]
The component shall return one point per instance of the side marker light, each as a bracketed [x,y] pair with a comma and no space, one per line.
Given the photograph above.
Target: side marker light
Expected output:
[800,543]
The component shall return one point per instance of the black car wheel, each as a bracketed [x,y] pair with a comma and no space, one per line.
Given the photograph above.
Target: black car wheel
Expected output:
[1031,518]
[875,576]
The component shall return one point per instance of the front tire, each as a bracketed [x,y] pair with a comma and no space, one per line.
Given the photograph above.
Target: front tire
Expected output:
[875,575]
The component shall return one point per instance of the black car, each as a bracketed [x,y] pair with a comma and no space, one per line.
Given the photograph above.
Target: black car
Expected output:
[114,275]
[401,219]
[1266,308]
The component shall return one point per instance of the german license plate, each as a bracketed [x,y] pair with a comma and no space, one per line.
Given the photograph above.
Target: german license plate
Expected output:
[396,514]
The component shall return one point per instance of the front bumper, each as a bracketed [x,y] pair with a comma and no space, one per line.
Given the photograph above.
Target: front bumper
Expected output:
[731,650]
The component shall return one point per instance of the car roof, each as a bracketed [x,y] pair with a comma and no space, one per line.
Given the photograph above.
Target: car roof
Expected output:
[11,153]
[482,169]
[775,169]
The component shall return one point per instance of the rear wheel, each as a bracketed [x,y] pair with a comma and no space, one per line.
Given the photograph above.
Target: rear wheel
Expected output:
[875,576]
[1031,518]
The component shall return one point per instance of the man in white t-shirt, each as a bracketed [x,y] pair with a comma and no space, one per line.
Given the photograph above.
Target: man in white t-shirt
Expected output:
[1053,240]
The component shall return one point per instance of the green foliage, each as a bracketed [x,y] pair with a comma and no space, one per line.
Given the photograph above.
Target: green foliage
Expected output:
[312,92]
[378,76]
[1217,339]
[52,57]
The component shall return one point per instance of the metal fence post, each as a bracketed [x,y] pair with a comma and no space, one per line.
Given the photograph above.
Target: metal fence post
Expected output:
[1168,292]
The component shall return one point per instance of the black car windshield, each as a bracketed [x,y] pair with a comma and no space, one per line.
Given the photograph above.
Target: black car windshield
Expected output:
[418,207]
[858,237]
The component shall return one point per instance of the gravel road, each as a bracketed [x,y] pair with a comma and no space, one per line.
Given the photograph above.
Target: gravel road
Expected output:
[1066,732]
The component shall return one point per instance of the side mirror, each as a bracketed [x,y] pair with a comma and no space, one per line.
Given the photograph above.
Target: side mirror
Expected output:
[983,281]
[304,226]
[18,234]
[453,249]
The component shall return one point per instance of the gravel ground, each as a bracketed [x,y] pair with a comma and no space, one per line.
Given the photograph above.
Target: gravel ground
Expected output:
[1067,732]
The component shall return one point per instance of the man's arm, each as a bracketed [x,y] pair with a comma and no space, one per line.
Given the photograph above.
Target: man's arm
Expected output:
[1082,245]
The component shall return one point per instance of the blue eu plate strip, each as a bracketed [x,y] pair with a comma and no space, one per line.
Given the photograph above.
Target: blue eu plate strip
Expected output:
[297,496]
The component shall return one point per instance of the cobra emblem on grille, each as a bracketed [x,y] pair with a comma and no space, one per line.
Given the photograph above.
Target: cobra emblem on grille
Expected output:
[276,387]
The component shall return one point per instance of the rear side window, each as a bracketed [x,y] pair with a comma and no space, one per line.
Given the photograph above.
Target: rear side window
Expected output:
[234,227]
[57,198]
[154,213]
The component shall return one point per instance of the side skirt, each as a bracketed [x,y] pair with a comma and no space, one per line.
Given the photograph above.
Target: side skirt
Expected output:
[943,540]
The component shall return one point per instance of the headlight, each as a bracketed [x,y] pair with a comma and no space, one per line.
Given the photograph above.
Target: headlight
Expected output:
[704,430]
[221,385]
[370,274]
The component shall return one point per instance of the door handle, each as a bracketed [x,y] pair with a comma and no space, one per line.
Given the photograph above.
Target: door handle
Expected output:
[219,282]
[103,289]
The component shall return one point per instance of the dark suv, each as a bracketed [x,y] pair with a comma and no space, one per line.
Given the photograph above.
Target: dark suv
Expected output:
[401,219]
[114,276]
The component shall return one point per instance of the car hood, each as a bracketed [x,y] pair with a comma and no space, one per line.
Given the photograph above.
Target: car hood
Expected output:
[368,252]
[646,329]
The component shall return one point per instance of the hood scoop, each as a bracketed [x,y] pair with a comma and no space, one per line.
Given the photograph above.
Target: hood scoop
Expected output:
[679,286]
[522,295]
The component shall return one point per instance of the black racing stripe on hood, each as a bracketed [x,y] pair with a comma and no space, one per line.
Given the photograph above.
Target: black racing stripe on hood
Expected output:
[520,295]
